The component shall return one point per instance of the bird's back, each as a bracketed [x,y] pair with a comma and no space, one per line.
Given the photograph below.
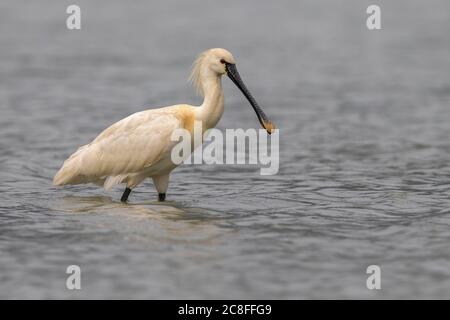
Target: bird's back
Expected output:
[129,146]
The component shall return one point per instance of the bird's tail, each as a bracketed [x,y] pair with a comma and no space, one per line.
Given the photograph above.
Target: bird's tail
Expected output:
[70,170]
[62,177]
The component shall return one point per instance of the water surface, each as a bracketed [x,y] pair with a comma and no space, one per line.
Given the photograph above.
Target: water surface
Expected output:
[364,170]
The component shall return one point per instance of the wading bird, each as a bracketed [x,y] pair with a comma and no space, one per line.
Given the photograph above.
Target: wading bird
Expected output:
[140,145]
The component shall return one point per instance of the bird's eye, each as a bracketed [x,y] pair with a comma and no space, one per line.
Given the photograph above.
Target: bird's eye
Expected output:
[222,60]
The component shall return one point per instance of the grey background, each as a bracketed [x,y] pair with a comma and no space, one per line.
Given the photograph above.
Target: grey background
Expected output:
[364,170]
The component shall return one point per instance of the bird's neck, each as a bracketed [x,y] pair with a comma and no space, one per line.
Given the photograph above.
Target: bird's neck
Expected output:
[212,107]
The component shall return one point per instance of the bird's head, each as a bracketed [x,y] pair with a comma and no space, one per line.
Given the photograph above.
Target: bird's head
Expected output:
[220,61]
[217,60]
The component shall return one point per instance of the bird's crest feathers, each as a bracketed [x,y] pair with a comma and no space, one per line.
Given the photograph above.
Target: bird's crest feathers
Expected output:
[194,78]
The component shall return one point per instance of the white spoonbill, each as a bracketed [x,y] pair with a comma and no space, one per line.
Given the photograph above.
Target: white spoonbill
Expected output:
[139,146]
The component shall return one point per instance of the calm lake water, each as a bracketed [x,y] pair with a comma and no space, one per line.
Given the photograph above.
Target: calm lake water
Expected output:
[364,151]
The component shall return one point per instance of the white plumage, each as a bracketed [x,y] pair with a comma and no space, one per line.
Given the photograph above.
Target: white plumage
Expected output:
[139,146]
[125,152]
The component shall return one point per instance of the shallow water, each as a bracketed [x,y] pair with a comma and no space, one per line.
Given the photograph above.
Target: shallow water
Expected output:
[364,171]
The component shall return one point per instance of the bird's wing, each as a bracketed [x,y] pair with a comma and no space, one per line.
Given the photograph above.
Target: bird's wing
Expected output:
[128,146]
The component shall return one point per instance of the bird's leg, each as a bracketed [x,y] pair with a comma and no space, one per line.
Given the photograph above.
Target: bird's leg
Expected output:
[161,183]
[125,195]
